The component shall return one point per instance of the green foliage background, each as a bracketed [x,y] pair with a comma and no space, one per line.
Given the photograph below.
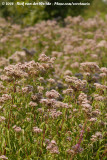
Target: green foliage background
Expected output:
[32,14]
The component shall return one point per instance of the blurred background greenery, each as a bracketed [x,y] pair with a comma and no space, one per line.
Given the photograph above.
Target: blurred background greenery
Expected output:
[29,15]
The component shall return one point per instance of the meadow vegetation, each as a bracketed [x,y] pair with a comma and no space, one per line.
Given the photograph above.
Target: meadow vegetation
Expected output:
[53,90]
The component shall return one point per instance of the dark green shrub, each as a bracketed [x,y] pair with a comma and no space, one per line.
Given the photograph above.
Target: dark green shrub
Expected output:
[64,10]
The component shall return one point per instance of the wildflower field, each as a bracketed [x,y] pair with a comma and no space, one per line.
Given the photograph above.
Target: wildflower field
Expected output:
[53,90]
